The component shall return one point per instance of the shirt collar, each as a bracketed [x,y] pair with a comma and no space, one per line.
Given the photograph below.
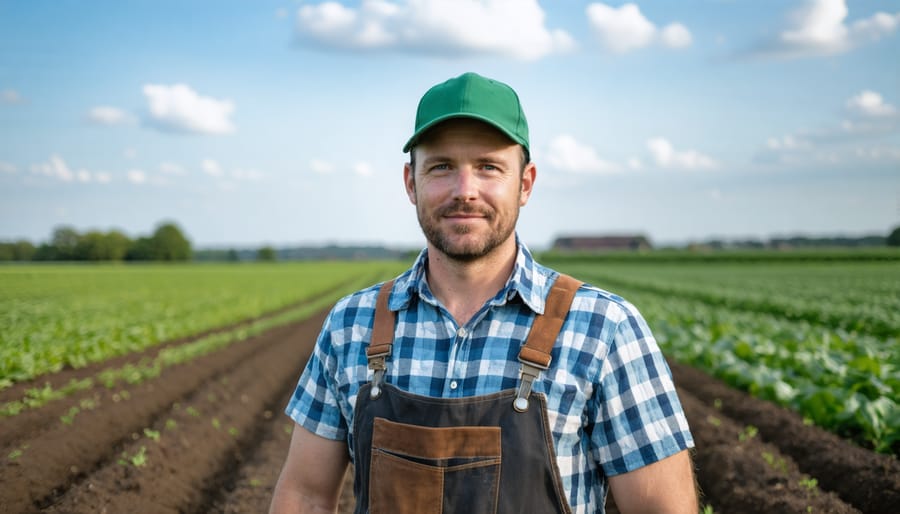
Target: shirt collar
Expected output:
[529,281]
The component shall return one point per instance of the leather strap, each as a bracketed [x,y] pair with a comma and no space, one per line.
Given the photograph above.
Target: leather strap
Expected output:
[383,330]
[545,328]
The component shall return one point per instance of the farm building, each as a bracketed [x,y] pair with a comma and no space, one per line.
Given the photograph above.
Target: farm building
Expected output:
[601,243]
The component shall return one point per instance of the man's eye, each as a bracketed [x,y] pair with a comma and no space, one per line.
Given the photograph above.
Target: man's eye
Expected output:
[440,167]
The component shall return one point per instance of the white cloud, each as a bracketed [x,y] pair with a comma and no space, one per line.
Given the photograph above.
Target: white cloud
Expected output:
[129,153]
[178,108]
[11,96]
[568,154]
[676,35]
[321,167]
[363,169]
[212,168]
[819,28]
[105,115]
[137,176]
[624,29]
[57,168]
[8,167]
[634,163]
[665,155]
[513,28]
[870,104]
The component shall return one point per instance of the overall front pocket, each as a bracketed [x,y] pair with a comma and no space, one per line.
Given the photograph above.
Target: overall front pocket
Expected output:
[429,470]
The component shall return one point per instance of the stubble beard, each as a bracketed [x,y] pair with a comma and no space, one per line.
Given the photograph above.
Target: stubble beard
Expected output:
[442,240]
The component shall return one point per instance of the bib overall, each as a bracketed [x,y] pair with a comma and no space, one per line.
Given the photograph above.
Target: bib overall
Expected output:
[477,455]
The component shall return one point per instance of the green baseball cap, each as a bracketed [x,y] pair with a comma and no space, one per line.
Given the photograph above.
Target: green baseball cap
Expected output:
[472,96]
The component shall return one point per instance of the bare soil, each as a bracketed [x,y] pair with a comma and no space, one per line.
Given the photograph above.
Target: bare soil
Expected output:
[210,436]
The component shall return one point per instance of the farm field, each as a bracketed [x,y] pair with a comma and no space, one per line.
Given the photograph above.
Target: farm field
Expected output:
[188,418]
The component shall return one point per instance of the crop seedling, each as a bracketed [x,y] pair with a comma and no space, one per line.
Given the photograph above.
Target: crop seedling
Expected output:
[171,424]
[232,431]
[69,417]
[809,483]
[216,423]
[749,432]
[152,434]
[779,464]
[714,421]
[137,460]
[193,412]
[15,454]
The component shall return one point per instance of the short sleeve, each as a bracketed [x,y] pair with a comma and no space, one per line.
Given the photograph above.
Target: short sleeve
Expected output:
[636,414]
[314,404]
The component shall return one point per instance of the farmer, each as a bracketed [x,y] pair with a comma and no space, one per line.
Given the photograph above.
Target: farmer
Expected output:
[480,381]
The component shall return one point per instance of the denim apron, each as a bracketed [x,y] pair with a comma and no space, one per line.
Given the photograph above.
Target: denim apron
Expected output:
[484,454]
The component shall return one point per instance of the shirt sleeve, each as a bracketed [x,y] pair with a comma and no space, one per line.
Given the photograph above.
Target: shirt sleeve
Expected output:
[638,418]
[314,404]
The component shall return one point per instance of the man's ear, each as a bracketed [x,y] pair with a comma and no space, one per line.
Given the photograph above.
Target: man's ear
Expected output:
[409,180]
[529,175]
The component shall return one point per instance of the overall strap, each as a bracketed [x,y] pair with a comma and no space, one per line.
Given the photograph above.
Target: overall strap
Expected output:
[382,337]
[535,354]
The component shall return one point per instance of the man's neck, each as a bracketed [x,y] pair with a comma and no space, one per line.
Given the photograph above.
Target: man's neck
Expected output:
[463,287]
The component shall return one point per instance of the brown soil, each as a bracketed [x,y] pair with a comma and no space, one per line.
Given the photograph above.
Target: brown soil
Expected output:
[210,436]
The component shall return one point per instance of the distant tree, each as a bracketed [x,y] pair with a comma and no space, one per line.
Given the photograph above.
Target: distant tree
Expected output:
[23,250]
[170,243]
[232,255]
[100,246]
[266,254]
[894,238]
[64,243]
[141,249]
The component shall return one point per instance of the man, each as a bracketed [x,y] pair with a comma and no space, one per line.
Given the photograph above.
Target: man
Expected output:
[479,380]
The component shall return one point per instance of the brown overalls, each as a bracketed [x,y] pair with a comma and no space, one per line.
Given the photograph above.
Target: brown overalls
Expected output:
[477,455]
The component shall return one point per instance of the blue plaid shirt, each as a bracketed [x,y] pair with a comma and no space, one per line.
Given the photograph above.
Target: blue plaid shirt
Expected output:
[612,406]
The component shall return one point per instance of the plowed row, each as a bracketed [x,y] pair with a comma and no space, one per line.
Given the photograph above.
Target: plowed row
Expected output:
[210,436]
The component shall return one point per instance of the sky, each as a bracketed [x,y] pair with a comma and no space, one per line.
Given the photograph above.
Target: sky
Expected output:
[282,122]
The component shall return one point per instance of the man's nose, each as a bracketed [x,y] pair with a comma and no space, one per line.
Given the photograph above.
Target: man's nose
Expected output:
[465,184]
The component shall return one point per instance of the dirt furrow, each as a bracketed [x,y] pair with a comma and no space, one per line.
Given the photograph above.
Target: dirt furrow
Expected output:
[862,478]
[52,461]
[182,459]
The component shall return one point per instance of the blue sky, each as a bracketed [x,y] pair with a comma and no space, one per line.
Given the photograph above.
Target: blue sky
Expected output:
[282,122]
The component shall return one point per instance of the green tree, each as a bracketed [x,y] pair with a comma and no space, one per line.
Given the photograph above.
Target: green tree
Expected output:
[894,238]
[99,246]
[64,243]
[142,249]
[266,254]
[23,250]
[170,244]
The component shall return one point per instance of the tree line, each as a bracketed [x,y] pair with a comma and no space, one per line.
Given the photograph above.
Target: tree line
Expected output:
[167,243]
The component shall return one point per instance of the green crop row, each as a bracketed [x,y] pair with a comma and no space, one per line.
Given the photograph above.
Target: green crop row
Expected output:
[53,317]
[845,381]
[150,367]
[862,297]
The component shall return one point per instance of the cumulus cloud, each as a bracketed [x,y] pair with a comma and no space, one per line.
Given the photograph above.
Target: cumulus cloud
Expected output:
[363,169]
[566,153]
[321,167]
[105,115]
[451,28]
[211,168]
[246,174]
[665,156]
[870,104]
[625,28]
[871,117]
[11,96]
[820,28]
[56,168]
[8,167]
[136,176]
[178,108]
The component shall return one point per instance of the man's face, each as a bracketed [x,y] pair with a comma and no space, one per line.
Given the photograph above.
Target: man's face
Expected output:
[467,187]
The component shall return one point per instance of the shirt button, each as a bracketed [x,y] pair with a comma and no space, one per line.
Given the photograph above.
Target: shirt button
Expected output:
[453,384]
[462,332]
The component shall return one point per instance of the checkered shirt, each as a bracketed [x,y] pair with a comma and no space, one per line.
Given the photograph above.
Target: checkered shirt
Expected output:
[611,403]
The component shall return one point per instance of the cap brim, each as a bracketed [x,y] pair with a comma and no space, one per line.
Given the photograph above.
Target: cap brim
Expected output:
[425,128]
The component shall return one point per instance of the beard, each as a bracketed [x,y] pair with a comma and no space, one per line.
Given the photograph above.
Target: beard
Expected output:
[500,228]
